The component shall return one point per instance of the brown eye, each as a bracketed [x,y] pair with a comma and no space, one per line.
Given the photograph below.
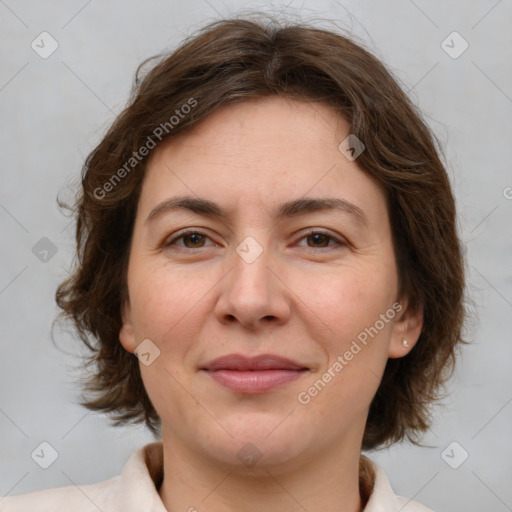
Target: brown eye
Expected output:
[195,240]
[319,240]
[189,240]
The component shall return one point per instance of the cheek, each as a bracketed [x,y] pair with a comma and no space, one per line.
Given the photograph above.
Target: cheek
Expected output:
[362,319]
[345,301]
[166,300]
[168,310]
[352,334]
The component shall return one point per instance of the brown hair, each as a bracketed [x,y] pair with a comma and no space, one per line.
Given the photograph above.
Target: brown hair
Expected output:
[231,61]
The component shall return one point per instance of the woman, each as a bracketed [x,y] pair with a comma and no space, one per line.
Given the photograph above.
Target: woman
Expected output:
[269,229]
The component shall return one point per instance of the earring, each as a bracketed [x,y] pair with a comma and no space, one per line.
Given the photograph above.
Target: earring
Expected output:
[405,343]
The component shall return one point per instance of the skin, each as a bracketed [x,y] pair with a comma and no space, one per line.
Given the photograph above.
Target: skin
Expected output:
[305,298]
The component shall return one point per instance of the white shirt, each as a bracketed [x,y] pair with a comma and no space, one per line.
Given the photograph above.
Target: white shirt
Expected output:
[135,490]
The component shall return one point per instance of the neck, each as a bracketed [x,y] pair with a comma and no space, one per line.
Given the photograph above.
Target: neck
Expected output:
[328,482]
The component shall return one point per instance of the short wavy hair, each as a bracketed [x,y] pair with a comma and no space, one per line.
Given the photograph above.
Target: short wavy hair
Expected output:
[231,61]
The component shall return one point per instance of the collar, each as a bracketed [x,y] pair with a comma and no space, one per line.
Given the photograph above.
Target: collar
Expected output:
[143,473]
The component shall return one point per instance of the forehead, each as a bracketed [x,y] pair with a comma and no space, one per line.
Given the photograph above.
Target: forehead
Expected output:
[261,124]
[261,152]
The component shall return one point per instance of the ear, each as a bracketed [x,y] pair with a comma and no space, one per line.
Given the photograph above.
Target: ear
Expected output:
[407,327]
[126,333]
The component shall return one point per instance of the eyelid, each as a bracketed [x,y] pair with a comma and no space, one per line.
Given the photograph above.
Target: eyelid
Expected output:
[309,232]
[182,233]
[319,231]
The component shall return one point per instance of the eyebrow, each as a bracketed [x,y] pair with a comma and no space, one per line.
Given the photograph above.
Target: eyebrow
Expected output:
[289,209]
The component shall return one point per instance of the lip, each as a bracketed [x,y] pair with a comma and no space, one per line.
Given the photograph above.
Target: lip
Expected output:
[250,375]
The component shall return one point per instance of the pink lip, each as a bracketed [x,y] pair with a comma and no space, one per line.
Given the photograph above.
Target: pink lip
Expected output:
[253,374]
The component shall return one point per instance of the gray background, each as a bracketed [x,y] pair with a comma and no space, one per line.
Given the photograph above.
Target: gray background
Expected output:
[53,112]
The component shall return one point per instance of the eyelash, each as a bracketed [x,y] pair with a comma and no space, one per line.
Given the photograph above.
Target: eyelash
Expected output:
[306,235]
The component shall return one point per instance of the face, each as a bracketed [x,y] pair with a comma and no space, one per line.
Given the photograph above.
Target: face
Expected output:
[263,287]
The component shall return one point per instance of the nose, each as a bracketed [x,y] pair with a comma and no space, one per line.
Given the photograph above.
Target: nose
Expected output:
[253,295]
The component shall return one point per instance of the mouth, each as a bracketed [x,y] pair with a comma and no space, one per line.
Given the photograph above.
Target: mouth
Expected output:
[252,375]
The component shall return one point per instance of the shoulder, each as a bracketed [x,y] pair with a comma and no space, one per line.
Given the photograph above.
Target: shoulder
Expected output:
[383,498]
[63,499]
[407,505]
[132,491]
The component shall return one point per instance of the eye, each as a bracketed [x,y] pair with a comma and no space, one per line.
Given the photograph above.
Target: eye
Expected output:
[321,239]
[195,239]
[192,239]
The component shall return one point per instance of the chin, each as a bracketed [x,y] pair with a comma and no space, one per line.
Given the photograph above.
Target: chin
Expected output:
[259,442]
